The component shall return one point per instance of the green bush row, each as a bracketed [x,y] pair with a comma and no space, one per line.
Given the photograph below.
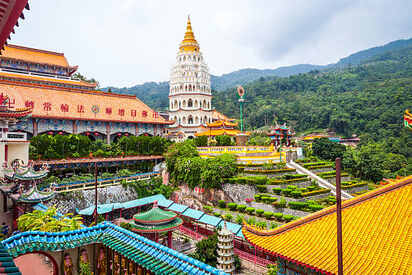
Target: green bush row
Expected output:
[251,180]
[270,171]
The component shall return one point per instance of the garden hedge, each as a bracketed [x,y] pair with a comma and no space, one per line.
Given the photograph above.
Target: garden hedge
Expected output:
[250,210]
[259,212]
[241,208]
[232,205]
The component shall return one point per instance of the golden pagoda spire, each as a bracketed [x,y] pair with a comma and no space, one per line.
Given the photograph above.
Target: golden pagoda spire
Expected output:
[189,43]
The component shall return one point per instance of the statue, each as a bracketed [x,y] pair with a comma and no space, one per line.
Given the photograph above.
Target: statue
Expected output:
[68,264]
[102,262]
[84,264]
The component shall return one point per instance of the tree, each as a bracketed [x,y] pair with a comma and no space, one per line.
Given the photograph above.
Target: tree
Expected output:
[326,149]
[48,221]
[206,251]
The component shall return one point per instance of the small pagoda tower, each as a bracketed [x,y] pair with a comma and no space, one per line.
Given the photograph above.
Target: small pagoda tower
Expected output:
[225,254]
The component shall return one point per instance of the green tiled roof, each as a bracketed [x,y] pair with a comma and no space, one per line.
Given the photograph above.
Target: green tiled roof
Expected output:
[154,215]
[149,254]
[157,227]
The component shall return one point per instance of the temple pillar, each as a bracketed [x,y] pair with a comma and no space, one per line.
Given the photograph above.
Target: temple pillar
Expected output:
[4,202]
[139,270]
[108,131]
[74,125]
[35,128]
[169,239]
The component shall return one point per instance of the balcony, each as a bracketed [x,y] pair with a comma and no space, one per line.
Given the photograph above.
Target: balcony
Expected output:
[13,136]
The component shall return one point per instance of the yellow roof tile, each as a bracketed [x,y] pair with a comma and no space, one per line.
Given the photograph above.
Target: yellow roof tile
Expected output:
[34,55]
[377,234]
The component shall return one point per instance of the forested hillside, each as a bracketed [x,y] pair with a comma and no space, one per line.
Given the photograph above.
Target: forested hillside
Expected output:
[155,94]
[369,98]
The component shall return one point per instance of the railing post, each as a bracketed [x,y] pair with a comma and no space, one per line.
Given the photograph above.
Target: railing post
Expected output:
[339,215]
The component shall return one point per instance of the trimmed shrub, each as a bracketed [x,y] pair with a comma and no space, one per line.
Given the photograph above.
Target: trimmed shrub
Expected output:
[273,225]
[268,215]
[221,203]
[217,214]
[269,200]
[316,192]
[288,218]
[278,216]
[228,217]
[292,187]
[277,190]
[232,205]
[241,208]
[315,207]
[298,205]
[251,220]
[250,210]
[261,225]
[239,219]
[208,208]
[261,188]
[280,204]
[258,197]
[296,194]
[259,212]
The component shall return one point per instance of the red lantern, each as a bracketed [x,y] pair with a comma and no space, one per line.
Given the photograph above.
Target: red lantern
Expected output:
[87,134]
[50,133]
[96,134]
[127,134]
[60,133]
[119,134]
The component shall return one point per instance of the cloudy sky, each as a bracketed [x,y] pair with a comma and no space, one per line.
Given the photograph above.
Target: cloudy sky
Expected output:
[127,42]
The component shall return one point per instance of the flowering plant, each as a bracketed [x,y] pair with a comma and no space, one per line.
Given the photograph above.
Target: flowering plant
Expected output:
[248,200]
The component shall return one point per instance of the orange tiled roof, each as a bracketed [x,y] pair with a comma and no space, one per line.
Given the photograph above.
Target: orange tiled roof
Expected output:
[48,79]
[34,55]
[220,132]
[221,123]
[377,234]
[81,105]
[219,116]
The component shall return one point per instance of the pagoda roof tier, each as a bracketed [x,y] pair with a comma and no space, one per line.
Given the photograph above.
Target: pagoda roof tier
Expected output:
[189,43]
[376,234]
[52,103]
[216,115]
[221,123]
[154,216]
[152,228]
[34,196]
[25,175]
[18,113]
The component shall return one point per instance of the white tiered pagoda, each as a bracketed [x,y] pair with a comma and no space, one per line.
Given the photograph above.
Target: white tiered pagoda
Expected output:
[225,251]
[190,97]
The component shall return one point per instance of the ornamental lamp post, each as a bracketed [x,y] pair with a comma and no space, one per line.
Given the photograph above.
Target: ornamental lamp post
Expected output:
[241,94]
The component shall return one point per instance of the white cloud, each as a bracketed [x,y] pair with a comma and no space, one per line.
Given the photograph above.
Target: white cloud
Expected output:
[126,42]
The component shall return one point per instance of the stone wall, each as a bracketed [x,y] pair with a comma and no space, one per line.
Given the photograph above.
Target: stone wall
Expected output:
[238,193]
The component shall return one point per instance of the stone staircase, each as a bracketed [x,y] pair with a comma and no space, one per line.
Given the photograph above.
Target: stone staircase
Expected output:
[322,182]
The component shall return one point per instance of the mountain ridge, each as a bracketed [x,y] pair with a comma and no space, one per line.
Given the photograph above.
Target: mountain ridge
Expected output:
[155,94]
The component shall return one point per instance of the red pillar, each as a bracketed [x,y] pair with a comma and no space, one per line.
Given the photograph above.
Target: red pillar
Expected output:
[6,153]
[156,237]
[169,239]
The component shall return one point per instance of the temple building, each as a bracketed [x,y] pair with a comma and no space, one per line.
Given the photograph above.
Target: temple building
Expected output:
[281,135]
[42,80]
[219,128]
[190,97]
[376,236]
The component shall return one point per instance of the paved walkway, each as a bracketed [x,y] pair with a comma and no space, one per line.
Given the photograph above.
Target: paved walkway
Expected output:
[33,264]
[319,180]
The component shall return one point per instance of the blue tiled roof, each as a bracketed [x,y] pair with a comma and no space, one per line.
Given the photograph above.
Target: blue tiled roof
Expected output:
[165,203]
[178,207]
[149,254]
[192,213]
[143,201]
[233,227]
[211,220]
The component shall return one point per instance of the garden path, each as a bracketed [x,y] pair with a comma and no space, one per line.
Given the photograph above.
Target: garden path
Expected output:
[321,182]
